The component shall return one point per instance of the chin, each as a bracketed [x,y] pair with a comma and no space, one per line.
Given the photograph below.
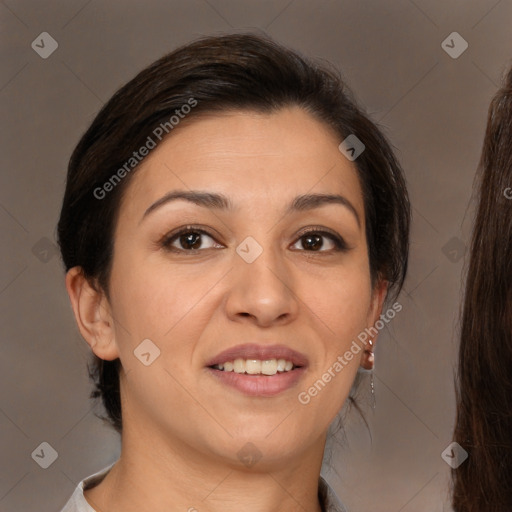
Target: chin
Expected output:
[264,448]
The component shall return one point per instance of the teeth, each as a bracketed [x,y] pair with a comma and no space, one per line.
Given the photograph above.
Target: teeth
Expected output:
[239,366]
[256,366]
[252,366]
[269,367]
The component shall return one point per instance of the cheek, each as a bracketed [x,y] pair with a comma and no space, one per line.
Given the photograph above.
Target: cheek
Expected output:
[152,300]
[339,307]
[168,308]
[340,302]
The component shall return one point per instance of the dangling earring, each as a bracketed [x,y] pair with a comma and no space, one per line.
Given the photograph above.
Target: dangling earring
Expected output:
[372,387]
[367,367]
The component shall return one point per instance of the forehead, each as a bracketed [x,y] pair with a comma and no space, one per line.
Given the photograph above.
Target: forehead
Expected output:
[259,160]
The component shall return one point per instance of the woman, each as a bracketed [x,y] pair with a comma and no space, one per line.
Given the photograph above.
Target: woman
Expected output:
[232,222]
[483,482]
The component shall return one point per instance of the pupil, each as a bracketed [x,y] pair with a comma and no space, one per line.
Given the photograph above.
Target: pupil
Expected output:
[192,240]
[189,240]
[316,245]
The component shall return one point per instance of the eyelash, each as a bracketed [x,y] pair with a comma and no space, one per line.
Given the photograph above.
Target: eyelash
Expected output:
[167,240]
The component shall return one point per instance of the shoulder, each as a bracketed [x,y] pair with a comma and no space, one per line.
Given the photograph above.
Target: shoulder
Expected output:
[77,502]
[328,499]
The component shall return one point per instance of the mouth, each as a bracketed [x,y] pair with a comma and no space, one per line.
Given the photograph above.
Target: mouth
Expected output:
[256,366]
[258,370]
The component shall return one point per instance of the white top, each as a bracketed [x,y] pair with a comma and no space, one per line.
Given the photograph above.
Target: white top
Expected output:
[78,503]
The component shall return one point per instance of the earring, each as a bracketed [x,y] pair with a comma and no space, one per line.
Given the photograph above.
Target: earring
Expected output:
[368,368]
[373,391]
[372,387]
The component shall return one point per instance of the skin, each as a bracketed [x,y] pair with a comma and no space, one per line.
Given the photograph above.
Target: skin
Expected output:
[182,429]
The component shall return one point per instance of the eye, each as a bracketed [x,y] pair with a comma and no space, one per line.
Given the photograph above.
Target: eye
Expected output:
[189,239]
[312,241]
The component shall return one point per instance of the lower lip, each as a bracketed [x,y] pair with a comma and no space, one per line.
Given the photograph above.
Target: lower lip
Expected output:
[259,385]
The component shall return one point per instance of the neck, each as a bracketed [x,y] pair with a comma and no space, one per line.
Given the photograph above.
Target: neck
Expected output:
[160,475]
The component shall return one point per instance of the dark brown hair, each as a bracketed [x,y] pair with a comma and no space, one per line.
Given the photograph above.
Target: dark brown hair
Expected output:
[483,483]
[242,72]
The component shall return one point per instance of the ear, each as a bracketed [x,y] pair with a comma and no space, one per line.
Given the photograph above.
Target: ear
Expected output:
[378,298]
[92,314]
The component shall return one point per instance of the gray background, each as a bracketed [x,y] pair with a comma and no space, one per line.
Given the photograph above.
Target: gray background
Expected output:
[432,106]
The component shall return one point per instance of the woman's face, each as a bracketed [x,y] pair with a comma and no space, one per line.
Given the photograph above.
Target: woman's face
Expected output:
[244,279]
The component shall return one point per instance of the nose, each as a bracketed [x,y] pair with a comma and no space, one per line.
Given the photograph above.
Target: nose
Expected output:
[263,291]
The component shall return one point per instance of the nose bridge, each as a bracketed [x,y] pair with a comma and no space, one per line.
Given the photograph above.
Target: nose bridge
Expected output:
[261,285]
[261,263]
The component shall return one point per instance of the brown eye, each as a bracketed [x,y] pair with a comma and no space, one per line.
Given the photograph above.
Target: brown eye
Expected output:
[186,240]
[313,241]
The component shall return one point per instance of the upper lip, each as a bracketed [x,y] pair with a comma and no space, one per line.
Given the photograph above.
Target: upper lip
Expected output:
[261,352]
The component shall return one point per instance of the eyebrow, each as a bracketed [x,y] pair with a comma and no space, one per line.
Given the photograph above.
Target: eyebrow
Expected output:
[216,201]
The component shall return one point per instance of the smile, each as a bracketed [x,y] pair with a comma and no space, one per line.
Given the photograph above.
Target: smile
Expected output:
[257,369]
[256,366]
